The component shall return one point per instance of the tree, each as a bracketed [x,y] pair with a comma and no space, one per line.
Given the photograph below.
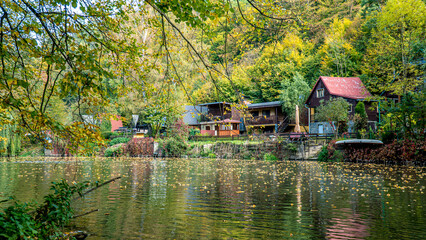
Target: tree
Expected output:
[56,49]
[339,57]
[396,47]
[360,118]
[335,110]
[294,93]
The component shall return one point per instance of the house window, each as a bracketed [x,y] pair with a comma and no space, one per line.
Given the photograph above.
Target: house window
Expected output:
[350,108]
[207,127]
[320,93]
[234,126]
[266,113]
[255,114]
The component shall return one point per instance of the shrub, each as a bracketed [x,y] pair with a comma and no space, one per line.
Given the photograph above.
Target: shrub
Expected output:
[106,135]
[194,132]
[397,152]
[118,140]
[173,147]
[330,154]
[211,155]
[323,154]
[114,151]
[388,137]
[291,147]
[269,157]
[29,221]
[139,147]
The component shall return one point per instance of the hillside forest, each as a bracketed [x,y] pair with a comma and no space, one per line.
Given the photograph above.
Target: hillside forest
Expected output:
[64,59]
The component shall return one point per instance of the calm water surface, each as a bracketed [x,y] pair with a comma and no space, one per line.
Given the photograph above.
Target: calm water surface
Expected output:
[232,199]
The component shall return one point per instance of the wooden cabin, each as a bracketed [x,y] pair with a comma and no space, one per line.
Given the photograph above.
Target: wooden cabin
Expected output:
[266,117]
[349,88]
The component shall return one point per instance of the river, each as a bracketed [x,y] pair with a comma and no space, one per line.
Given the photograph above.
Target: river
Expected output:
[231,199]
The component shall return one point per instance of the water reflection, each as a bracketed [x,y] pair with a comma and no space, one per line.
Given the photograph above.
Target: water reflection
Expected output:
[217,199]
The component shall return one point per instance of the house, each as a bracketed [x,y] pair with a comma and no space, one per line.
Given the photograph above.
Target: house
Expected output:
[266,117]
[214,119]
[349,88]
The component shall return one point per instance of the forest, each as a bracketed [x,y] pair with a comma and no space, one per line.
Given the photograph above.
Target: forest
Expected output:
[64,59]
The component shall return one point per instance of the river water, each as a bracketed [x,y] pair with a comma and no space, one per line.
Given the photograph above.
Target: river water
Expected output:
[231,199]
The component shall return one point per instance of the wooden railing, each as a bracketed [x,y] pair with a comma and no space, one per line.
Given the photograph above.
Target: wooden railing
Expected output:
[269,137]
[261,120]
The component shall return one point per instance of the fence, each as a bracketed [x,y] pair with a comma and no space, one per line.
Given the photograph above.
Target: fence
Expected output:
[291,137]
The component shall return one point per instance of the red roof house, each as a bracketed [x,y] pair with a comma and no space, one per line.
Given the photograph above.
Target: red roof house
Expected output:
[350,88]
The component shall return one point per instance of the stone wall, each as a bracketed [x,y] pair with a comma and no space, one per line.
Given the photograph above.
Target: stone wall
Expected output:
[282,150]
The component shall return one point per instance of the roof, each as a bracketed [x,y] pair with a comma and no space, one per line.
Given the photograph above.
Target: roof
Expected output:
[222,121]
[347,87]
[212,103]
[116,124]
[264,104]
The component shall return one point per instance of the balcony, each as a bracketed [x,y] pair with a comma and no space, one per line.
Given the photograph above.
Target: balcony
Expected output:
[210,117]
[261,120]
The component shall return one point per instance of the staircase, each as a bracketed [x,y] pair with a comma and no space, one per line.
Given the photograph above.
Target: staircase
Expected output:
[284,125]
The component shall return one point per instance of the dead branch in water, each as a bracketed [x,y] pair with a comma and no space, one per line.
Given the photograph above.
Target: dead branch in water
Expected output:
[98,186]
[86,213]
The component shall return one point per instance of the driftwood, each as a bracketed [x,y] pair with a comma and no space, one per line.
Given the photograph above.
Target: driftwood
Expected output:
[86,213]
[98,186]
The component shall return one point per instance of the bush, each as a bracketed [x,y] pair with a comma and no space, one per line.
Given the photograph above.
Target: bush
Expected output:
[211,155]
[118,140]
[194,132]
[114,151]
[106,135]
[388,137]
[139,147]
[323,155]
[330,154]
[396,152]
[291,147]
[29,221]
[173,147]
[269,157]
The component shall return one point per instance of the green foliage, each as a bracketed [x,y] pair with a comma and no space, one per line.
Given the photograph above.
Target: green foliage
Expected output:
[45,221]
[269,157]
[194,132]
[105,126]
[114,151]
[330,154]
[396,45]
[292,147]
[118,140]
[335,110]
[323,154]
[173,147]
[360,118]
[10,140]
[211,155]
[360,109]
[295,92]
[106,135]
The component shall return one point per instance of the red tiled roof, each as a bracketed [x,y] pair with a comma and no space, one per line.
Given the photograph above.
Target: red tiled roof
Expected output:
[348,87]
[115,124]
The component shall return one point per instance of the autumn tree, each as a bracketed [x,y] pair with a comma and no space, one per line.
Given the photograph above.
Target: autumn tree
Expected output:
[397,46]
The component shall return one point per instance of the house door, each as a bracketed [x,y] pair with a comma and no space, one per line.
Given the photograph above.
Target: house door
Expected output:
[216,128]
[320,129]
